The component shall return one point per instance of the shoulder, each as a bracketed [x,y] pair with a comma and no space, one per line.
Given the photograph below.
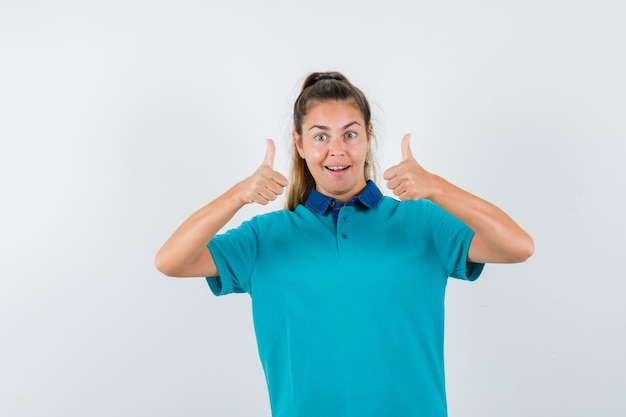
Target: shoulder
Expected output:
[274,222]
[408,207]
[252,229]
[280,218]
[412,212]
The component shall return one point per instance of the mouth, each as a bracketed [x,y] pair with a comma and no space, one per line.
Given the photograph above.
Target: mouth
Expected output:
[337,168]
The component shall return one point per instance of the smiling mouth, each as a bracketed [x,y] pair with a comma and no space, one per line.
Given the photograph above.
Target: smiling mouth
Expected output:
[337,168]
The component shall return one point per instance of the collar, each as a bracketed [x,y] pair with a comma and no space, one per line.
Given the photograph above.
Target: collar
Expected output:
[369,197]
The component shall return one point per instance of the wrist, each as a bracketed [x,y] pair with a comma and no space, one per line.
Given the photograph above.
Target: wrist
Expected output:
[237,195]
[438,187]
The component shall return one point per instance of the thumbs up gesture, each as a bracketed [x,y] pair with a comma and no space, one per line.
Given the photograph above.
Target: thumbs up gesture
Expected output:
[408,180]
[265,184]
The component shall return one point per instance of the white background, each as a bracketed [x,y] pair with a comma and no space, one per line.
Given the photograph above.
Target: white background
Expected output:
[118,119]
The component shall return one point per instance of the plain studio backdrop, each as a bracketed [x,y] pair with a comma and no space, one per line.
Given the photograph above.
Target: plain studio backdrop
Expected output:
[119,119]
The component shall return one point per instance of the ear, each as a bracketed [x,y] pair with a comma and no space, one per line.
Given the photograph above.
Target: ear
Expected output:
[298,142]
[370,132]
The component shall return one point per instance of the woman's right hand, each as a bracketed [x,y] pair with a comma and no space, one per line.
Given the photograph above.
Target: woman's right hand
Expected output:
[185,253]
[265,184]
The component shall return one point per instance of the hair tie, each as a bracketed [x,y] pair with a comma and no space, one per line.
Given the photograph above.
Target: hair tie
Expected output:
[327,77]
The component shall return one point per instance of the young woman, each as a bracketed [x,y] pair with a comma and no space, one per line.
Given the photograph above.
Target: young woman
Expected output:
[347,285]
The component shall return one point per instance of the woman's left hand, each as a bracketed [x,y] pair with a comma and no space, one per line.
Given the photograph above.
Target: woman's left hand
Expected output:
[408,180]
[497,237]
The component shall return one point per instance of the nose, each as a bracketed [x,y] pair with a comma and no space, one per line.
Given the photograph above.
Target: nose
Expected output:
[336,147]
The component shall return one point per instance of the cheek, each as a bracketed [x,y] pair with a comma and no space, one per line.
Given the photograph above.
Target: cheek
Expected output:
[313,153]
[359,153]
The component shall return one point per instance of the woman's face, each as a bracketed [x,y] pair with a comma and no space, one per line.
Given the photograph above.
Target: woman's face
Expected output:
[334,144]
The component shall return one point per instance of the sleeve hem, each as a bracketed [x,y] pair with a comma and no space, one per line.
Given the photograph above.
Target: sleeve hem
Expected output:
[472,269]
[215,284]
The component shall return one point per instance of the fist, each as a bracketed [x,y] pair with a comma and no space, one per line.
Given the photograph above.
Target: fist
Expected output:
[408,180]
[265,184]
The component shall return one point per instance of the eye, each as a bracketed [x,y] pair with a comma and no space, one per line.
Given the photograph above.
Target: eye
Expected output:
[319,138]
[350,135]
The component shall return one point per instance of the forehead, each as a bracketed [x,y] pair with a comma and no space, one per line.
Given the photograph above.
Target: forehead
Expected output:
[333,112]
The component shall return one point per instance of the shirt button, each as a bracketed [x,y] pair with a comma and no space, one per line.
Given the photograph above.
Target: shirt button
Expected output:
[344,235]
[332,203]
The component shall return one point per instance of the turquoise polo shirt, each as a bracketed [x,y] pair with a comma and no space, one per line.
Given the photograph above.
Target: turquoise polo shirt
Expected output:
[348,302]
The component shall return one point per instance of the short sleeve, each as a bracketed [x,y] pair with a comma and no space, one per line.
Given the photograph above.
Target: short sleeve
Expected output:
[234,253]
[452,238]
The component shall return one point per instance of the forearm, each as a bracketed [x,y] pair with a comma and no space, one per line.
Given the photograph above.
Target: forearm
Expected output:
[185,253]
[506,240]
[183,248]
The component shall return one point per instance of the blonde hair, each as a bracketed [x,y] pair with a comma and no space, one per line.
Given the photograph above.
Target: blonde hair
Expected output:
[320,87]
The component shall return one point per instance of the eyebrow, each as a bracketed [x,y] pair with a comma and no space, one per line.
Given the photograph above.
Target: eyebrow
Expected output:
[321,127]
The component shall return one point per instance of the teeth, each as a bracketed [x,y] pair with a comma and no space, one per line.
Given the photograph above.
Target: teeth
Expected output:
[337,167]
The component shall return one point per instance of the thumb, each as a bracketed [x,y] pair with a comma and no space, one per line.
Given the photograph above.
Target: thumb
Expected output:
[269,153]
[406,147]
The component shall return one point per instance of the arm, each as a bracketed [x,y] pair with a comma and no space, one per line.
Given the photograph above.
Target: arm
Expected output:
[185,253]
[497,238]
